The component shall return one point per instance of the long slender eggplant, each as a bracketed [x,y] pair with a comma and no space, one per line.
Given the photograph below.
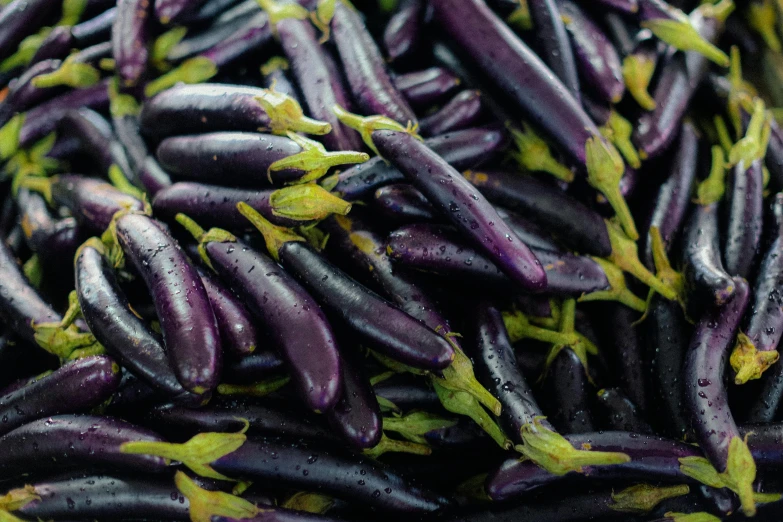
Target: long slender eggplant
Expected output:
[277,78]
[628,351]
[357,416]
[115,325]
[20,19]
[205,40]
[22,94]
[427,87]
[619,413]
[77,386]
[462,111]
[252,368]
[292,318]
[745,215]
[248,39]
[365,69]
[407,392]
[131,39]
[402,203]
[48,237]
[403,32]
[569,394]
[556,50]
[168,11]
[462,149]
[190,331]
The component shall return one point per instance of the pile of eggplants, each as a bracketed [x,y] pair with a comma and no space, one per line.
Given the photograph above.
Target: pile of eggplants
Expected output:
[445,260]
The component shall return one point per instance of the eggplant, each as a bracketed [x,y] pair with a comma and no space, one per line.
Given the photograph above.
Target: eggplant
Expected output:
[619,413]
[568,394]
[50,238]
[356,416]
[745,214]
[22,94]
[623,336]
[252,368]
[403,33]
[555,48]
[426,87]
[277,78]
[462,111]
[701,256]
[403,203]
[19,19]
[131,39]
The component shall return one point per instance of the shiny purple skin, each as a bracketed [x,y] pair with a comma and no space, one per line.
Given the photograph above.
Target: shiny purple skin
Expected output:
[679,78]
[745,219]
[596,56]
[619,413]
[42,119]
[170,11]
[408,392]
[248,39]
[94,132]
[674,196]
[576,225]
[94,30]
[228,158]
[252,368]
[115,325]
[765,443]
[200,108]
[152,176]
[462,111]
[625,6]
[652,459]
[706,397]
[78,441]
[131,39]
[331,471]
[496,368]
[555,48]
[519,72]
[365,69]
[21,18]
[441,250]
[149,173]
[20,304]
[21,92]
[427,87]
[92,202]
[458,200]
[289,316]
[568,393]
[356,417]
[278,514]
[56,45]
[93,55]
[237,332]
[319,81]
[774,157]
[462,149]
[77,386]
[623,337]
[398,336]
[531,234]
[190,331]
[107,497]
[214,205]
[206,39]
[282,82]
[403,32]
[52,239]
[402,203]
[704,270]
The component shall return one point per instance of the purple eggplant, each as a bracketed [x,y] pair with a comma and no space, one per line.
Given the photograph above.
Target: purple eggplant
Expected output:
[94,30]
[75,441]
[56,45]
[407,392]
[462,111]
[168,11]
[403,203]
[356,417]
[292,318]
[462,149]
[701,256]
[146,168]
[403,32]
[745,215]
[365,69]
[568,391]
[22,94]
[77,386]
[625,6]
[457,199]
[620,413]
[277,78]
[248,39]
[48,237]
[190,331]
[706,397]
[427,87]
[131,39]
[207,39]
[556,50]
[19,19]
[115,325]
[622,335]
[252,368]
[237,332]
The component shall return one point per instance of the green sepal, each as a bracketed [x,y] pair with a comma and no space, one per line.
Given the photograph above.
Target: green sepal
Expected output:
[396,366]
[381,377]
[71,74]
[681,35]
[520,17]
[258,389]
[552,452]
[281,11]
[25,51]
[701,516]
[618,289]
[748,362]
[474,488]
[72,11]
[459,376]
[518,327]
[5,516]
[196,454]
[386,405]
[741,93]
[534,154]
[618,130]
[389,445]
[193,70]
[204,504]
[121,104]
[605,169]
[39,184]
[276,63]
[415,425]
[366,125]
[463,403]
[285,114]
[711,190]
[309,502]
[724,138]
[314,160]
[18,498]
[643,498]
[217,235]
[752,146]
[638,71]
[663,268]
[121,182]
[322,18]
[314,236]
[9,136]
[163,45]
[307,202]
[63,342]
[762,17]
[581,345]
[33,270]
[274,236]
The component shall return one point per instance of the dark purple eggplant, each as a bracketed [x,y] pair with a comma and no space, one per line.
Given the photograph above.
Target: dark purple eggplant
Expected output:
[745,214]
[252,368]
[146,168]
[701,256]
[131,39]
[190,331]
[292,318]
[191,46]
[625,6]
[555,49]
[277,78]
[48,237]
[56,45]
[407,392]
[75,441]
[365,69]
[619,413]
[22,94]
[462,111]
[19,19]
[168,11]
[77,386]
[94,30]
[237,332]
[427,87]
[247,40]
[623,336]
[402,203]
[568,394]
[115,325]
[403,32]
[706,397]
[357,416]
[462,149]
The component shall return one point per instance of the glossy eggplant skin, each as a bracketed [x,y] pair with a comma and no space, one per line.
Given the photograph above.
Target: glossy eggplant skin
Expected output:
[463,111]
[50,238]
[619,413]
[402,203]
[22,94]
[332,471]
[130,38]
[357,416]
[252,368]
[701,257]
[407,392]
[109,316]
[568,394]
[555,48]
[252,37]
[403,33]
[427,87]
[190,331]
[457,200]
[706,397]
[623,336]
[20,19]
[745,218]
[93,202]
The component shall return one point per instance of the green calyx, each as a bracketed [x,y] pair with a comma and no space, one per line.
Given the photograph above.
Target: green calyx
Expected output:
[722,131]
[680,34]
[258,389]
[701,516]
[463,403]
[389,445]
[618,131]
[711,190]
[163,45]
[581,346]
[663,268]
[748,362]
[605,169]
[63,338]
[26,50]
[193,70]
[18,498]
[71,74]
[9,136]
[741,94]
[518,327]
[534,154]
[286,115]
[72,12]
[197,453]
[276,63]
[217,235]
[473,488]
[281,11]
[762,16]
[121,104]
[204,504]
[458,376]
[366,125]
[638,70]
[308,202]
[520,18]
[322,18]
[754,145]
[618,289]
[121,182]
[395,366]
[738,477]
[314,160]
[643,498]
[552,452]
[274,236]
[5,516]
[39,184]
[309,502]
[415,425]
[33,270]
